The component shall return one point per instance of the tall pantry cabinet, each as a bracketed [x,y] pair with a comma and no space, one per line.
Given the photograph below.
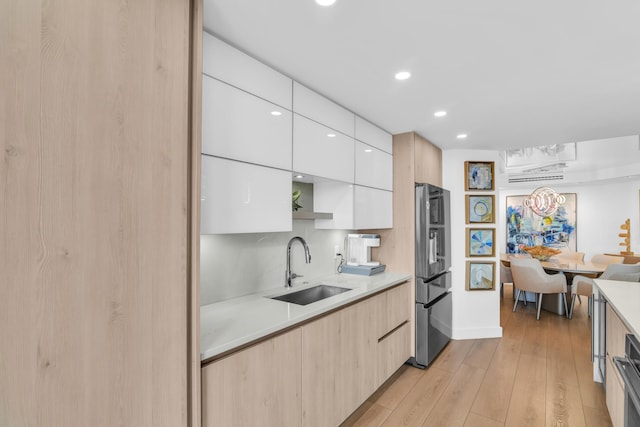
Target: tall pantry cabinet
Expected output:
[99,213]
[415,159]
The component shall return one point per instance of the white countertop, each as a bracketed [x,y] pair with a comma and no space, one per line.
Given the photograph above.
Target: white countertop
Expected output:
[624,298]
[230,324]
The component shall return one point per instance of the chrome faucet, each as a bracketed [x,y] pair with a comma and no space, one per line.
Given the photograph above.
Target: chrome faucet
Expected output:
[307,258]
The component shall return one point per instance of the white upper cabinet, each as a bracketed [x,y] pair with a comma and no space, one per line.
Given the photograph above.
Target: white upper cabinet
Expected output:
[241,126]
[373,135]
[374,168]
[321,151]
[316,107]
[373,208]
[240,197]
[335,197]
[230,65]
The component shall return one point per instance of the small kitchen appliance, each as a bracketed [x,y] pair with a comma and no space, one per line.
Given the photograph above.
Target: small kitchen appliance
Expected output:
[358,250]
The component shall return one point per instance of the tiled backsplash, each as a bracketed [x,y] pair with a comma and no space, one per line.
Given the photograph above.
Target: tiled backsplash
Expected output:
[233,265]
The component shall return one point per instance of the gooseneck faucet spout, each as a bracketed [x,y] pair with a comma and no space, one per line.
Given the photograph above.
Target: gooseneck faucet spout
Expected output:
[307,258]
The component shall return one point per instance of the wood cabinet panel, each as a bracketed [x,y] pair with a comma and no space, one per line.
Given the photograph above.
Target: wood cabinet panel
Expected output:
[393,351]
[614,386]
[238,69]
[428,162]
[95,177]
[259,385]
[238,125]
[394,308]
[338,364]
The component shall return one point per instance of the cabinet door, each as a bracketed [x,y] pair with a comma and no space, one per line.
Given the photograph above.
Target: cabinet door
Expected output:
[241,126]
[256,386]
[243,198]
[322,110]
[373,208]
[338,364]
[394,308]
[321,152]
[374,168]
[614,394]
[373,135]
[335,197]
[232,66]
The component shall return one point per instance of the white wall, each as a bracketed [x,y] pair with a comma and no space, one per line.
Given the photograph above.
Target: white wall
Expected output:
[476,314]
[233,265]
[601,209]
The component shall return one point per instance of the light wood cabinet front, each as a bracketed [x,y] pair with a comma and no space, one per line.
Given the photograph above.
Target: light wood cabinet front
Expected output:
[256,386]
[338,364]
[614,385]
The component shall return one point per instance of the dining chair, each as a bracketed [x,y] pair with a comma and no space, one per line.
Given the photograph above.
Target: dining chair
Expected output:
[582,285]
[570,256]
[529,276]
[507,277]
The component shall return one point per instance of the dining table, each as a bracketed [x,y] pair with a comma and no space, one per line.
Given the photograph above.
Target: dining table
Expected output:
[570,270]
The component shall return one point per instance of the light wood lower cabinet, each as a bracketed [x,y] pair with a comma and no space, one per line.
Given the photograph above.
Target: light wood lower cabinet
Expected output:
[338,364]
[259,385]
[316,374]
[614,385]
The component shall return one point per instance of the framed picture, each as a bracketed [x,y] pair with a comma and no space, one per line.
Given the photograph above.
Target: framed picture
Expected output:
[480,242]
[481,275]
[480,209]
[525,228]
[478,176]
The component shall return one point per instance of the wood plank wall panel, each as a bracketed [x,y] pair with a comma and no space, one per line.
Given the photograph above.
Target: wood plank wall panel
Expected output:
[95,214]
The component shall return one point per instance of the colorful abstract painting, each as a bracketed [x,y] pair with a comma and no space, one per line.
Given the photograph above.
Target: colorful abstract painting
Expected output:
[480,242]
[525,228]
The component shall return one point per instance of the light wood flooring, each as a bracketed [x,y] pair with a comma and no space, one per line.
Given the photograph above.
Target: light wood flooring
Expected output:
[538,374]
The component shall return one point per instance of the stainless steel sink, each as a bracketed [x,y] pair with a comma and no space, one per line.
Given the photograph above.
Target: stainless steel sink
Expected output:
[309,295]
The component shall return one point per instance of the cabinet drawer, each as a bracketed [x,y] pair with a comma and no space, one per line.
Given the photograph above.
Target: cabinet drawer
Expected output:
[374,168]
[614,394]
[322,152]
[232,66]
[394,308]
[373,135]
[243,198]
[241,126]
[393,351]
[320,109]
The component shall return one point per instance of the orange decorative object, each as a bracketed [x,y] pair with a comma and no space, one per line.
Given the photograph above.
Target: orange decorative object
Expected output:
[542,253]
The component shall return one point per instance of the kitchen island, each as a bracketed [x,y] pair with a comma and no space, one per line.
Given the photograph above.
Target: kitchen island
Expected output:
[616,314]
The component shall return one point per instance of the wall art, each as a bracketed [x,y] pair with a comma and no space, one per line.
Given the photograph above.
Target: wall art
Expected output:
[525,228]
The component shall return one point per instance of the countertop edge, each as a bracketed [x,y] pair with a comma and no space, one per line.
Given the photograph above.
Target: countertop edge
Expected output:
[618,296]
[248,338]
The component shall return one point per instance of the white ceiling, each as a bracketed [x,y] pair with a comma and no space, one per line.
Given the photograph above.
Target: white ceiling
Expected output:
[510,74]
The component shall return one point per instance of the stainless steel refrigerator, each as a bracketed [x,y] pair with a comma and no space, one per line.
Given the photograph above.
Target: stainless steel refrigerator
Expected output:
[433,278]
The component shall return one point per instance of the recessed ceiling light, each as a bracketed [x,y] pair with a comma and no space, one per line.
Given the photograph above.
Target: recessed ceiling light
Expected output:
[299,176]
[331,135]
[461,136]
[368,150]
[403,75]
[325,2]
[276,113]
[440,113]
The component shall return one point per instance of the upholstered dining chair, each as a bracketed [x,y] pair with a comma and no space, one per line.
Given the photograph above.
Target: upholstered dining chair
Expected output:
[570,256]
[596,259]
[582,285]
[529,276]
[507,277]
